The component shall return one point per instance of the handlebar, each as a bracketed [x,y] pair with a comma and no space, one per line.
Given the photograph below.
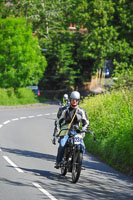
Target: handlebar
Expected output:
[79,131]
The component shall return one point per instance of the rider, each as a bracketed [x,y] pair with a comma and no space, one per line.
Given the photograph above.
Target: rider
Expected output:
[64,104]
[66,118]
[65,100]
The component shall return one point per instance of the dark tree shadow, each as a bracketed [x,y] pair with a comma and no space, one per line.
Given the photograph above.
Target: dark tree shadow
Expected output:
[11,182]
[27,153]
[102,168]
[98,179]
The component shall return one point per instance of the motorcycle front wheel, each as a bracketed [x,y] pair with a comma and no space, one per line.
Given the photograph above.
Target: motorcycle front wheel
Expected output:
[76,168]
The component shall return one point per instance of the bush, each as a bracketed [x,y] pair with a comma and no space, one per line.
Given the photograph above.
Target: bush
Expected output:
[17,97]
[25,96]
[3,97]
[11,96]
[111,118]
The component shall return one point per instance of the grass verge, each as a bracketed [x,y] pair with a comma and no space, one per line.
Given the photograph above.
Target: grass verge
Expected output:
[111,118]
[20,96]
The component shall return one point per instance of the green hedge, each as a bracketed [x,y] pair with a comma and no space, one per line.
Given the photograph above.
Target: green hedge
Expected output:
[19,96]
[111,118]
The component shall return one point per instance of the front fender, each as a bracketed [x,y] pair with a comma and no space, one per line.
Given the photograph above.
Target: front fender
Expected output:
[79,147]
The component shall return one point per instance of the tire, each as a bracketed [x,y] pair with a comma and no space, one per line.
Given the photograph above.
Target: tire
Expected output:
[76,168]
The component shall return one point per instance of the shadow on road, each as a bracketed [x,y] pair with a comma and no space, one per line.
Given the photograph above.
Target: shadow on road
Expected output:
[97,181]
[90,162]
[46,174]
[27,153]
[16,183]
[93,163]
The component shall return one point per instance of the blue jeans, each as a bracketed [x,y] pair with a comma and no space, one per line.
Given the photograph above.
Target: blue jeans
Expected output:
[62,145]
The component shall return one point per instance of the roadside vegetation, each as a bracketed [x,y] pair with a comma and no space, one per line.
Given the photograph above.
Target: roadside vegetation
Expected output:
[19,96]
[111,119]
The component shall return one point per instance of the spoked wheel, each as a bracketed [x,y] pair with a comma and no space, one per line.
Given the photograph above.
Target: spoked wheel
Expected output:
[76,168]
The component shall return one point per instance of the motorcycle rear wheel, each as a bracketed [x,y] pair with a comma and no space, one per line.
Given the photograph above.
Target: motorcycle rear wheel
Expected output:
[76,168]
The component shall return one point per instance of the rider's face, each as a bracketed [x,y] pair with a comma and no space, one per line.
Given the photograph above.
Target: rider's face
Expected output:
[74,102]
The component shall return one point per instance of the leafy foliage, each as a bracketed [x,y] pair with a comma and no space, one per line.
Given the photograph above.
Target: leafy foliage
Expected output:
[21,62]
[108,37]
[111,118]
[123,74]
[19,96]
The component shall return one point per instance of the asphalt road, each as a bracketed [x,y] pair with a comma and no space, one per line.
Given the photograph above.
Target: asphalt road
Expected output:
[27,158]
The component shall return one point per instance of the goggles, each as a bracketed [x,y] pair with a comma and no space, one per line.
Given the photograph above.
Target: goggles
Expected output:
[74,100]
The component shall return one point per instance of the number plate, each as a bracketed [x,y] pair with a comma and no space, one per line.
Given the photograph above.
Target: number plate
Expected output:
[78,139]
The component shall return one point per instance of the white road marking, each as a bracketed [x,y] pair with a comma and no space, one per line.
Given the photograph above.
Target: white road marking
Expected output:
[20,118]
[40,115]
[6,122]
[23,117]
[13,164]
[15,119]
[1,125]
[31,116]
[44,191]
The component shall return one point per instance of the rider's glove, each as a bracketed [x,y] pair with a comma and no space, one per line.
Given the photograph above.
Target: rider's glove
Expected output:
[54,140]
[83,134]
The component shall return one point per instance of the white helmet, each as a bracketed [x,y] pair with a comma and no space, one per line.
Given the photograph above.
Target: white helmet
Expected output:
[65,96]
[75,95]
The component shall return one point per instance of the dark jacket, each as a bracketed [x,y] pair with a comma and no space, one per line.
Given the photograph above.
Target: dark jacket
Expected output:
[80,119]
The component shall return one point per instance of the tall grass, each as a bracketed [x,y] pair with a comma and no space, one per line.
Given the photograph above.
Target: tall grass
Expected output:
[19,96]
[111,118]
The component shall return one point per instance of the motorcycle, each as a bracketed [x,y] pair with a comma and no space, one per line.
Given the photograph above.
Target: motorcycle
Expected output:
[73,156]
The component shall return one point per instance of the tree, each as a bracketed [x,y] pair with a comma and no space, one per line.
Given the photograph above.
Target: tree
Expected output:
[109,25]
[21,62]
[108,36]
[61,72]
[46,16]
